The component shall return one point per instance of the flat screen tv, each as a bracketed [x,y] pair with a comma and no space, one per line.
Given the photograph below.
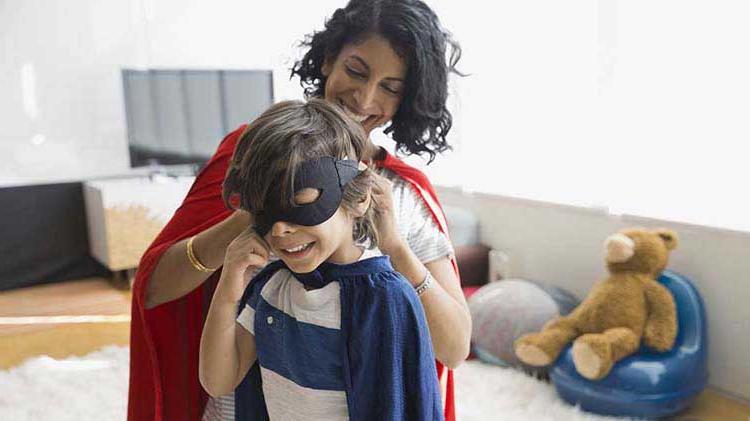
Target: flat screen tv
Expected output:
[180,116]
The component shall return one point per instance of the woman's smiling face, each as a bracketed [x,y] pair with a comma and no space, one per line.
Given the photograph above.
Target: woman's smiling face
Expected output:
[368,79]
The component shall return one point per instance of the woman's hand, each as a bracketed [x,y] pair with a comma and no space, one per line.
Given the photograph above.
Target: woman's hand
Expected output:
[385,215]
[174,276]
[241,218]
[246,253]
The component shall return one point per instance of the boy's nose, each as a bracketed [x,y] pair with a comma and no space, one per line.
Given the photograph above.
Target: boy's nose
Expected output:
[281,228]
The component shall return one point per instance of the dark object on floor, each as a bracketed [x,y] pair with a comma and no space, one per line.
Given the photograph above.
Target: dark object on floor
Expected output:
[44,236]
[473,264]
[535,372]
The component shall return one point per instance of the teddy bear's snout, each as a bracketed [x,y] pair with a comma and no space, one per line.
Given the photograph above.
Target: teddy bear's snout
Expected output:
[619,248]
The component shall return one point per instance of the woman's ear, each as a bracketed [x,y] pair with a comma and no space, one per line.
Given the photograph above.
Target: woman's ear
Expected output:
[327,66]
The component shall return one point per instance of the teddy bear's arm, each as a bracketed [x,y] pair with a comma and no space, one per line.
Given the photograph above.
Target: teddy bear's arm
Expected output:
[661,325]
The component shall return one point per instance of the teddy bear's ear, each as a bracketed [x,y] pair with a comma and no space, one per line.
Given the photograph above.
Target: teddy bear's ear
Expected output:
[669,237]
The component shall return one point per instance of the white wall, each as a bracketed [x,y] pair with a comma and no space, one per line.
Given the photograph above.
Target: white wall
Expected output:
[579,101]
[61,107]
[563,245]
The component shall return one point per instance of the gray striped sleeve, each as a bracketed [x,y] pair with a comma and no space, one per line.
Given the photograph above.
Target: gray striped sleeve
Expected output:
[423,236]
[219,409]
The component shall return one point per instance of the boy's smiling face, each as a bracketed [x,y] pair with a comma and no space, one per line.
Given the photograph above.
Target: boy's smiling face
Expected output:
[304,248]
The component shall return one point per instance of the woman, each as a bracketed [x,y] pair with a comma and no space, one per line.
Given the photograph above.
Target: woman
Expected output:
[383,61]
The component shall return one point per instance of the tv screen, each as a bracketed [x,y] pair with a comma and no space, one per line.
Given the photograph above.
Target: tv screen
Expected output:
[180,116]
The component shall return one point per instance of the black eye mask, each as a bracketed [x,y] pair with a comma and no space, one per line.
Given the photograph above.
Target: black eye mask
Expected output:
[326,174]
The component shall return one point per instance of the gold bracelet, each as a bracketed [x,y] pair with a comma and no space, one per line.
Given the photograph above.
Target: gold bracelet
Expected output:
[194,260]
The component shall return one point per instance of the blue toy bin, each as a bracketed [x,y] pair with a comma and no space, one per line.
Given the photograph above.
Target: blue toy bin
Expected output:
[647,384]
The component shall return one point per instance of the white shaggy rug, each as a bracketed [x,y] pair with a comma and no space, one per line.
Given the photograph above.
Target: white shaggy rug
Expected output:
[95,387]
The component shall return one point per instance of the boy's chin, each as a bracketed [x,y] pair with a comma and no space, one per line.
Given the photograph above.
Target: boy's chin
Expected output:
[301,267]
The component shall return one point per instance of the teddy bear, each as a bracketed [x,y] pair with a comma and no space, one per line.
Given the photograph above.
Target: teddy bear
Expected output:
[628,306]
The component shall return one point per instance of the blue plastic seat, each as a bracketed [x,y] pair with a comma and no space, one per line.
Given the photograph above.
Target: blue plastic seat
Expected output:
[647,384]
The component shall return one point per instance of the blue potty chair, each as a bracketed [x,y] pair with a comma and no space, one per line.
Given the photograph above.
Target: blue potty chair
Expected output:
[647,384]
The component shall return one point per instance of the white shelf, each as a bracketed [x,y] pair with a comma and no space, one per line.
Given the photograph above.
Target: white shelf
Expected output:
[125,215]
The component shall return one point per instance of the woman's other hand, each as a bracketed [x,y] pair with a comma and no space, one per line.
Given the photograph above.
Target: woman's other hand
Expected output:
[175,276]
[385,215]
[241,218]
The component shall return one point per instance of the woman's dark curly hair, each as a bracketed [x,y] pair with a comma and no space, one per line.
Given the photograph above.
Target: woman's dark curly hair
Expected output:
[422,120]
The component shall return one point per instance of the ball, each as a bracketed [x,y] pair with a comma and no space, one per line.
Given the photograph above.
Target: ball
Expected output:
[501,312]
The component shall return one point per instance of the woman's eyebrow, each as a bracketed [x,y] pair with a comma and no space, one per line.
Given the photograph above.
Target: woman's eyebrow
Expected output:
[361,61]
[367,67]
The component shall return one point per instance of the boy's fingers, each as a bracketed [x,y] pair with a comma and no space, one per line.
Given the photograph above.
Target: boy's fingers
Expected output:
[254,248]
[260,251]
[260,246]
[262,241]
[256,260]
[252,241]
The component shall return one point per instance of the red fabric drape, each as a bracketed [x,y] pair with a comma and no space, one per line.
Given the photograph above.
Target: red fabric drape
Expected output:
[164,341]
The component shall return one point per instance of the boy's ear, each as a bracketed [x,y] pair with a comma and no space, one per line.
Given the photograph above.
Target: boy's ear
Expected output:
[361,209]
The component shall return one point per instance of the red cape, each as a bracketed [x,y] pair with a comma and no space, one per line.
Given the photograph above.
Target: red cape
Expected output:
[164,341]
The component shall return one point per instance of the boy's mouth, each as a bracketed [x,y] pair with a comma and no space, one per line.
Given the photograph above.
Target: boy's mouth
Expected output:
[298,251]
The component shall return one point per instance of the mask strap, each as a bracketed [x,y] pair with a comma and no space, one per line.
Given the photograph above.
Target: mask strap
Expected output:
[347,169]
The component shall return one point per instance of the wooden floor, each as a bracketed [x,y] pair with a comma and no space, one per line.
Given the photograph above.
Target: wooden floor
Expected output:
[75,318]
[61,320]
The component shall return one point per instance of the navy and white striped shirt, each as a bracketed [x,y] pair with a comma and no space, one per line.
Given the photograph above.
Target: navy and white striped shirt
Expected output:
[357,346]
[299,356]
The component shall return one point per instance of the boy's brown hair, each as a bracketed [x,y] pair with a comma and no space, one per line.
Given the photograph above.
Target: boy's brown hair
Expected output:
[284,136]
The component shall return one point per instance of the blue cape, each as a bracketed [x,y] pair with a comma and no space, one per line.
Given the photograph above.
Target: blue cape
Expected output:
[388,362]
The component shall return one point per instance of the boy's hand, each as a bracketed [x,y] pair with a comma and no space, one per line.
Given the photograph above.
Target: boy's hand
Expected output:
[246,253]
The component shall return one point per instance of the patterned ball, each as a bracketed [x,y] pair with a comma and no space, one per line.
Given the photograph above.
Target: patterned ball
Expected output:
[504,310]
